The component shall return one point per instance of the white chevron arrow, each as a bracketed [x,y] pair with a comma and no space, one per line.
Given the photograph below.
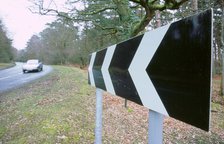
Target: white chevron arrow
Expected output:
[90,69]
[137,70]
[105,69]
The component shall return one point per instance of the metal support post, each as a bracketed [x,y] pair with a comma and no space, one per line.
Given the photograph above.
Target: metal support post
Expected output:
[155,131]
[99,107]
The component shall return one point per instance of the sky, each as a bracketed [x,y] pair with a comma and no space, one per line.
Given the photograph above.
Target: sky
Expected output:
[20,23]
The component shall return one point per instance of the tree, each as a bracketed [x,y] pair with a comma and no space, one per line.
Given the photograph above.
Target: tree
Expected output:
[121,17]
[6,50]
[57,44]
[33,48]
[60,41]
[222,42]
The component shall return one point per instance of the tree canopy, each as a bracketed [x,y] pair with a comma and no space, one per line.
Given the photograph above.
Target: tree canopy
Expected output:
[125,18]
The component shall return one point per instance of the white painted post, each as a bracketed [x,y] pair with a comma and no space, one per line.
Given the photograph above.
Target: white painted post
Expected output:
[99,107]
[155,131]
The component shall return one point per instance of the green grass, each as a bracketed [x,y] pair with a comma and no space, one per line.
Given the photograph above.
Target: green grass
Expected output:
[51,110]
[6,65]
[216,107]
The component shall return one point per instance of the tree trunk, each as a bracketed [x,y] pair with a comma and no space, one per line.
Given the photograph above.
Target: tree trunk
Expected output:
[158,19]
[144,22]
[195,5]
[123,10]
[216,58]
[222,40]
[125,15]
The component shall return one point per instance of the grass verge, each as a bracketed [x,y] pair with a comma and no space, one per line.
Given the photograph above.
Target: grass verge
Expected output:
[54,109]
[6,65]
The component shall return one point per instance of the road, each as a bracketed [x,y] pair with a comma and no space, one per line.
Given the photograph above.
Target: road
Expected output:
[13,77]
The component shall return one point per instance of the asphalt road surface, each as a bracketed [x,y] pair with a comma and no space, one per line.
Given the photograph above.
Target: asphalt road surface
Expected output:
[14,77]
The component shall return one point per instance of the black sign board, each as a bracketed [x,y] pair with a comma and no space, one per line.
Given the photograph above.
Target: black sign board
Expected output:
[167,70]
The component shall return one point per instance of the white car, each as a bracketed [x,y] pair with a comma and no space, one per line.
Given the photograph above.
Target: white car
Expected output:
[32,65]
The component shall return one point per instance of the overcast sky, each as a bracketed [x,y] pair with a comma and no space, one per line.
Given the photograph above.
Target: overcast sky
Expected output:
[21,24]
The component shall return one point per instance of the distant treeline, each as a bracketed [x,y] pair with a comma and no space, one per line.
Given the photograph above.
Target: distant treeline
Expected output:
[7,52]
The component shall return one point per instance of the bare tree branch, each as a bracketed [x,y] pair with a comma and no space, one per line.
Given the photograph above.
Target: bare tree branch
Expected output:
[98,11]
[149,6]
[135,1]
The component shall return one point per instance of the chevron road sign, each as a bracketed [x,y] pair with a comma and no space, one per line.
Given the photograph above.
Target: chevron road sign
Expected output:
[167,70]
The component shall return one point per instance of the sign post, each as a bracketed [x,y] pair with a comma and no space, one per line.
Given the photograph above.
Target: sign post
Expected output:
[99,107]
[155,131]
